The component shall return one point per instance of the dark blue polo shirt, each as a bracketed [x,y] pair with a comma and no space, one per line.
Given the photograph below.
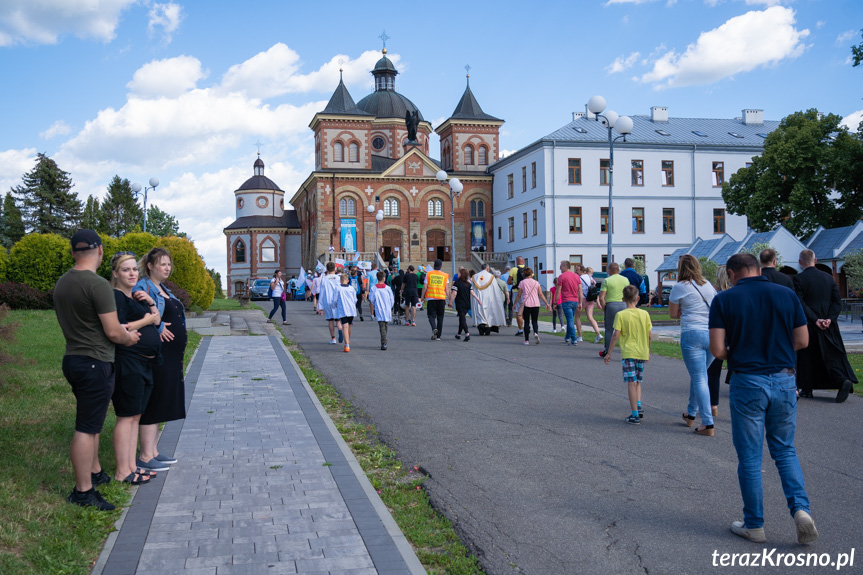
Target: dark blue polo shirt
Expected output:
[758,318]
[634,279]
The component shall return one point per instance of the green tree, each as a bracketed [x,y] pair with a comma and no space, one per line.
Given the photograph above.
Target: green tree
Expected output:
[120,213]
[217,281]
[857,52]
[91,214]
[189,271]
[48,205]
[757,248]
[39,260]
[853,269]
[708,269]
[810,175]
[162,224]
[11,225]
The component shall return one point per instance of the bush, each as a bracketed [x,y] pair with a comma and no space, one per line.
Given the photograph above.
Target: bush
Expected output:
[110,246]
[189,271]
[138,243]
[7,336]
[22,296]
[4,263]
[39,260]
[179,293]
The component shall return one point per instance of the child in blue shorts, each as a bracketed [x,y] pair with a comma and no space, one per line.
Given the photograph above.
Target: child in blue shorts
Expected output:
[632,327]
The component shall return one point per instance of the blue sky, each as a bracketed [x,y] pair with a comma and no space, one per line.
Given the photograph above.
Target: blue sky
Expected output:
[183,89]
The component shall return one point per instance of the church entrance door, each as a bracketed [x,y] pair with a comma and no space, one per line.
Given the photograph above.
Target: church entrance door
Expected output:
[391,243]
[437,248]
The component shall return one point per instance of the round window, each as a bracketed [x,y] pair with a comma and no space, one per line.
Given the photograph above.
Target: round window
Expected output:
[240,203]
[262,201]
[378,143]
[282,204]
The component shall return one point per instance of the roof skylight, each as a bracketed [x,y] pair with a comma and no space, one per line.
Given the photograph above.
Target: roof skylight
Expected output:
[699,133]
[662,133]
[735,134]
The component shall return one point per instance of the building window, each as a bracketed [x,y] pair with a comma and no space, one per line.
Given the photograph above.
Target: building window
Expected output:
[391,207]
[718,174]
[378,143]
[240,252]
[482,153]
[638,220]
[524,224]
[535,265]
[468,155]
[354,152]
[268,251]
[667,220]
[477,209]
[262,201]
[499,232]
[509,186]
[511,224]
[667,173]
[575,220]
[347,207]
[604,172]
[603,220]
[533,175]
[575,170]
[637,172]
[338,152]
[604,263]
[524,178]
[719,221]
[240,202]
[435,208]
[576,260]
[534,222]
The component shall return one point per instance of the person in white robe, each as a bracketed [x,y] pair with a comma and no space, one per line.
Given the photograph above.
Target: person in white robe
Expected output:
[487,307]
[382,300]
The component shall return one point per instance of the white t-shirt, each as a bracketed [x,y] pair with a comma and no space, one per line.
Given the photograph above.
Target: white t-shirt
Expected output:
[278,288]
[695,312]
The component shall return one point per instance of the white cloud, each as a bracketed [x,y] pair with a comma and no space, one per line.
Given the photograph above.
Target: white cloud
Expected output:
[620,63]
[852,120]
[58,128]
[46,21]
[169,77]
[820,24]
[274,72]
[763,2]
[13,165]
[165,18]
[845,37]
[505,153]
[742,44]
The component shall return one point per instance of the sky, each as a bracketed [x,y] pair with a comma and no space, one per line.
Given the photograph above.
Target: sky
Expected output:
[183,90]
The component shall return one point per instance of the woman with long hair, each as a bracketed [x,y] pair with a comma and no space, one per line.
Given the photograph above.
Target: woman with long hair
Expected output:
[462,292]
[133,366]
[168,398]
[531,293]
[587,281]
[277,293]
[690,301]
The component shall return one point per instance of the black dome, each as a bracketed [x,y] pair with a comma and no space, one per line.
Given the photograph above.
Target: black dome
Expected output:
[384,64]
[388,104]
[259,183]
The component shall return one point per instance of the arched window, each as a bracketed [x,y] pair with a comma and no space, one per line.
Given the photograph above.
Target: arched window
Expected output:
[477,209]
[354,152]
[347,207]
[468,155]
[268,251]
[435,208]
[338,152]
[391,207]
[240,251]
[483,155]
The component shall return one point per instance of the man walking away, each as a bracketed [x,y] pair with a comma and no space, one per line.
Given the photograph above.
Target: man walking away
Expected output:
[611,300]
[634,277]
[757,327]
[824,364]
[434,294]
[569,294]
[768,269]
[410,292]
[381,301]
[87,313]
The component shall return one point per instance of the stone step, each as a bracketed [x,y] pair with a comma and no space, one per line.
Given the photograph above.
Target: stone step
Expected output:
[202,321]
[239,326]
[215,330]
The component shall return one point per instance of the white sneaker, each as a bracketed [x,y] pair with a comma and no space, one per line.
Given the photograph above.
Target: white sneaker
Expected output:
[806,532]
[526,342]
[756,535]
[578,339]
[333,341]
[598,339]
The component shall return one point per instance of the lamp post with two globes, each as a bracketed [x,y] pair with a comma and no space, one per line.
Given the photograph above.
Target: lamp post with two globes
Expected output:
[455,188]
[136,189]
[623,125]
[378,217]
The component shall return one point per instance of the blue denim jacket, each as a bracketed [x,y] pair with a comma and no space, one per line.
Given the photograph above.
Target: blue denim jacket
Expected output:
[147,285]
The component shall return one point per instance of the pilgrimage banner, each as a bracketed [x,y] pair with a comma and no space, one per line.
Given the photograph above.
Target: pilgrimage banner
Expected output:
[477,235]
[349,234]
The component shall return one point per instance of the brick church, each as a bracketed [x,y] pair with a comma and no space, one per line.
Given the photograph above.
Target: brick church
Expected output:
[363,158]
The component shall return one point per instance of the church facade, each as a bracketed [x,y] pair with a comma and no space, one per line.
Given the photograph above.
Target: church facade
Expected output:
[363,158]
[264,237]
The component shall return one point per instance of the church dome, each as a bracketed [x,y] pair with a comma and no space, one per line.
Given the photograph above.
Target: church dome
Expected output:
[384,64]
[259,181]
[388,104]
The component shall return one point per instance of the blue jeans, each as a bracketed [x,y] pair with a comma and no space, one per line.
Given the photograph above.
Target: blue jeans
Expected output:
[277,303]
[766,404]
[695,347]
[569,308]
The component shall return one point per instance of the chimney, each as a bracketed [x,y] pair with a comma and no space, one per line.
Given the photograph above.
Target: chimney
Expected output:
[577,115]
[659,114]
[588,114]
[753,117]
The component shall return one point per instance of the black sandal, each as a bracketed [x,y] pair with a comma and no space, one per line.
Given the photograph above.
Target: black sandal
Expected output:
[142,479]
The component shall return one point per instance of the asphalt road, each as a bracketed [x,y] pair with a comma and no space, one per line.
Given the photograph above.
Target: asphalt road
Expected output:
[528,454]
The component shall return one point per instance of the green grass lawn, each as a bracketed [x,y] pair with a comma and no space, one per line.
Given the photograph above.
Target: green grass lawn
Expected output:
[656,314]
[39,532]
[230,304]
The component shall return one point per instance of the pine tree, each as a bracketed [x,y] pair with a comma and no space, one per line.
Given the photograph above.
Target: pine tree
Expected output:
[161,224]
[11,226]
[120,213]
[48,205]
[90,217]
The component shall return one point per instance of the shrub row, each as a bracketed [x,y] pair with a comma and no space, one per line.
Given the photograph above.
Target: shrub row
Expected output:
[22,296]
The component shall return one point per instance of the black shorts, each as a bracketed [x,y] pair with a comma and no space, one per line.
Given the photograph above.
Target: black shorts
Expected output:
[347,320]
[411,300]
[92,383]
[133,384]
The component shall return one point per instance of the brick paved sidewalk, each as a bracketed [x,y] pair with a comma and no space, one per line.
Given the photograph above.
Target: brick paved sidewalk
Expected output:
[264,484]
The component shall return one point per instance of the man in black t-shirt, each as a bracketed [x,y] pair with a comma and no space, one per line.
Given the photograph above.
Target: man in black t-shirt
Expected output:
[410,292]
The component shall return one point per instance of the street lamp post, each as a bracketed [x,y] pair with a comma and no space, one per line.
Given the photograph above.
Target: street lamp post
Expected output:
[455,188]
[378,217]
[136,189]
[623,125]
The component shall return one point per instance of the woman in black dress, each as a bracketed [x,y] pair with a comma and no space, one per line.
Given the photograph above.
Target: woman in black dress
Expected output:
[133,366]
[462,291]
[168,399]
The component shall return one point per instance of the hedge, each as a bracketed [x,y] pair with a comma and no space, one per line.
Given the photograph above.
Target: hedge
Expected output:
[4,263]
[39,260]
[22,296]
[189,271]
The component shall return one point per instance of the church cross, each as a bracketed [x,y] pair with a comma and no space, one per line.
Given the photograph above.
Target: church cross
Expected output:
[384,38]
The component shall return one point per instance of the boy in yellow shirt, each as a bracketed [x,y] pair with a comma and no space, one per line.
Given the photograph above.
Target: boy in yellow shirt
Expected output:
[632,327]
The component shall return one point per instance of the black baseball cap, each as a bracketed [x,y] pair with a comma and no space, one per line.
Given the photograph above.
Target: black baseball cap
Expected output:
[88,237]
[438,264]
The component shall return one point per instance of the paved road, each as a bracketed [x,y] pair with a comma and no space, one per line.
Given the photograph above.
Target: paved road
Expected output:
[528,453]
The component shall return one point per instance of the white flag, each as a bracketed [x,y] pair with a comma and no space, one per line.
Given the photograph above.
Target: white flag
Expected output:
[320,268]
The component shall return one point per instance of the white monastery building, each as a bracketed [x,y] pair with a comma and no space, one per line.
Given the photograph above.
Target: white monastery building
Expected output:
[550,199]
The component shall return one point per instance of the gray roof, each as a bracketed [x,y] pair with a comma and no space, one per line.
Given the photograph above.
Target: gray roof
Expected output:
[468,109]
[712,249]
[259,183]
[853,246]
[824,241]
[384,64]
[289,221]
[387,104]
[342,103]
[670,263]
[681,131]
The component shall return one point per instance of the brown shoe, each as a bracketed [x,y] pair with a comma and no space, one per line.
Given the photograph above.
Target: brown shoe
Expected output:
[714,409]
[705,430]
[689,419]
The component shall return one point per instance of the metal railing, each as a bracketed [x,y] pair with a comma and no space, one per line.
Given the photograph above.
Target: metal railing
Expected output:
[354,256]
